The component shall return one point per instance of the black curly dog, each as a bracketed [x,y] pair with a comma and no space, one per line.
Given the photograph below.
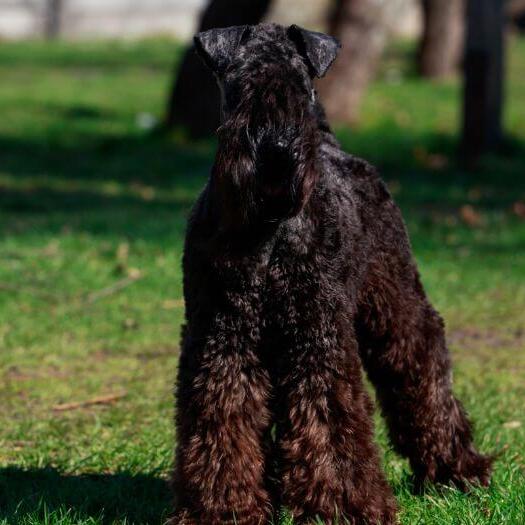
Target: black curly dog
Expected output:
[298,270]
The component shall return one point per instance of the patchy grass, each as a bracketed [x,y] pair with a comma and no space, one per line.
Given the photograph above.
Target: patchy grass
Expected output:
[92,214]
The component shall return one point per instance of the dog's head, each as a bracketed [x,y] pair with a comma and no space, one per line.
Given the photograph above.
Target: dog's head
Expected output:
[265,167]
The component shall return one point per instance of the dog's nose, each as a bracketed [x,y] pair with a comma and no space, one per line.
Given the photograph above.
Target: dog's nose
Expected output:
[269,146]
[275,154]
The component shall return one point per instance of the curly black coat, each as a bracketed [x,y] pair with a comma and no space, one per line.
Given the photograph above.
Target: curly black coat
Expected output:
[297,271]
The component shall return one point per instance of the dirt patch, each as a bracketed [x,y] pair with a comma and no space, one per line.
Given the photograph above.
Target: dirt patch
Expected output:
[155,353]
[15,373]
[471,338]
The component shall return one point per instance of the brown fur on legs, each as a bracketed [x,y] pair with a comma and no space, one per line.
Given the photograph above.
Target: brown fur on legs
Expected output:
[402,344]
[329,466]
[297,268]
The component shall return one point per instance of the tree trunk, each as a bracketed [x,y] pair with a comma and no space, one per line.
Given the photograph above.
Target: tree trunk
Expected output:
[359,26]
[194,100]
[515,10]
[484,77]
[53,18]
[442,44]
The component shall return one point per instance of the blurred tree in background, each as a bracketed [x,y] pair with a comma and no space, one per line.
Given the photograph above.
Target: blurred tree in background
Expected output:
[53,18]
[359,24]
[360,27]
[484,78]
[194,98]
[516,13]
[442,42]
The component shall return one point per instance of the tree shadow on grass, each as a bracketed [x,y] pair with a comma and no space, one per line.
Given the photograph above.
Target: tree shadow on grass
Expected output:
[127,186]
[83,156]
[143,186]
[101,498]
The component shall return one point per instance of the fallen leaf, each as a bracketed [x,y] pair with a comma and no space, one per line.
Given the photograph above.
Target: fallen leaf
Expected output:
[19,445]
[145,192]
[475,194]
[437,161]
[519,209]
[470,216]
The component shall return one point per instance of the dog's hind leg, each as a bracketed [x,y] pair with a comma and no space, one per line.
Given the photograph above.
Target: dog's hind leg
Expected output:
[327,460]
[403,349]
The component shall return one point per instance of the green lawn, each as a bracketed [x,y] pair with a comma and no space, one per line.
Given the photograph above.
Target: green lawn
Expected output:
[92,214]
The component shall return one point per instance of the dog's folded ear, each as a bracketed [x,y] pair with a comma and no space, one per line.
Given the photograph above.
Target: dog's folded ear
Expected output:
[217,46]
[318,49]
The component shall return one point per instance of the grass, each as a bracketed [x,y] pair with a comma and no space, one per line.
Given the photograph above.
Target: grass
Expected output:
[88,199]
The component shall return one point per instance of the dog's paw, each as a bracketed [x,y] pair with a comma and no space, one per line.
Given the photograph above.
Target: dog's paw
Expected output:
[379,509]
[181,517]
[467,469]
[184,517]
[472,469]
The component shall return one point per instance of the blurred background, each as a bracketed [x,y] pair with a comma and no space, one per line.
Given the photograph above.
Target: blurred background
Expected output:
[107,125]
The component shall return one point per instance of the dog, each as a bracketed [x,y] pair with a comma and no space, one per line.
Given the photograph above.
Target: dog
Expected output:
[298,272]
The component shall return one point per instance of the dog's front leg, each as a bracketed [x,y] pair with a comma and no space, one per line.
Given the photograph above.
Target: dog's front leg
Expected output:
[222,397]
[329,465]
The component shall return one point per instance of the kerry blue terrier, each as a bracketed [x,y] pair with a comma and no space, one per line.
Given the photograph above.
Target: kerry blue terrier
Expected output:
[297,271]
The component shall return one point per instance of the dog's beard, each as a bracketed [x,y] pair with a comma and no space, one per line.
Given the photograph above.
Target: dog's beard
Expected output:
[284,173]
[262,178]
